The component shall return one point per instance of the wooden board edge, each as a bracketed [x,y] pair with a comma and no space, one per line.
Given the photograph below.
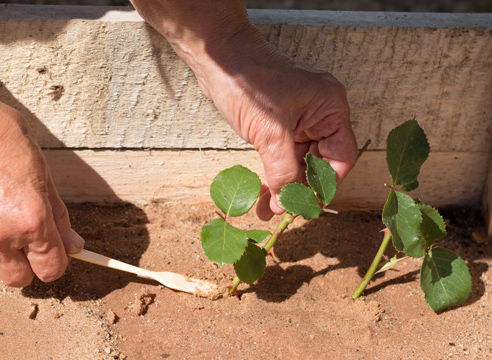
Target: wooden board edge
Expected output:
[259,16]
[487,201]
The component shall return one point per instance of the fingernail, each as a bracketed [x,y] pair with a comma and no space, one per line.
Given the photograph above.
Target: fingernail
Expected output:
[277,201]
[76,239]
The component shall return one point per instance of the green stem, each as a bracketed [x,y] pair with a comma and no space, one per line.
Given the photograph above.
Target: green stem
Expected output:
[287,219]
[235,284]
[374,266]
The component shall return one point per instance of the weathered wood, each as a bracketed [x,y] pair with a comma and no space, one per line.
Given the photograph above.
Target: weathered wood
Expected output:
[487,201]
[141,176]
[125,88]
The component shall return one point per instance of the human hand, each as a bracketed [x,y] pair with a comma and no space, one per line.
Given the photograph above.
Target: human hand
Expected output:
[34,222]
[284,111]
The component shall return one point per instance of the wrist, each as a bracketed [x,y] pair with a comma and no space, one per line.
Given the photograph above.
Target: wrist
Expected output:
[232,58]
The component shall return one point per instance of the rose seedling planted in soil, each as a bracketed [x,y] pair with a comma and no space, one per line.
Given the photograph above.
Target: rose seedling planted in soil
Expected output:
[235,190]
[413,226]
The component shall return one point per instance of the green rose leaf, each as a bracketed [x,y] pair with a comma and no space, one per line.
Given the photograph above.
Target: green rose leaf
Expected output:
[416,250]
[321,177]
[222,242]
[444,279]
[235,190]
[258,236]
[407,149]
[298,199]
[403,218]
[252,264]
[410,186]
[433,227]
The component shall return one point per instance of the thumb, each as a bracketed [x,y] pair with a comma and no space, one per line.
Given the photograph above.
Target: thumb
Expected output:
[281,167]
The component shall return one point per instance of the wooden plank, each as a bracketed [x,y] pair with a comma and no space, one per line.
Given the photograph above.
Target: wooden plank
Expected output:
[487,201]
[185,176]
[277,17]
[373,18]
[125,88]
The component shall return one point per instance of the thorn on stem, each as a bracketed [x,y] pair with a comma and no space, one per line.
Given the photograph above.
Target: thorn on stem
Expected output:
[331,211]
[364,148]
[220,215]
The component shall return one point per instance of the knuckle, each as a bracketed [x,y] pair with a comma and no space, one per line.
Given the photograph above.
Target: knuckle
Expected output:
[34,221]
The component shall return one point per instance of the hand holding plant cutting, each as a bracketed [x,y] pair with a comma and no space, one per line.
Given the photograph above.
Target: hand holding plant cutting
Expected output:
[284,111]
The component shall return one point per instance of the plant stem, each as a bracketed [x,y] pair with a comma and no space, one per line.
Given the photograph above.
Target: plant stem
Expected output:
[364,148]
[235,284]
[374,266]
[287,219]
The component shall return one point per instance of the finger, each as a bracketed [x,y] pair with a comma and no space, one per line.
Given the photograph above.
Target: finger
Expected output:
[71,241]
[314,149]
[281,164]
[263,210]
[15,270]
[45,250]
[48,259]
[340,150]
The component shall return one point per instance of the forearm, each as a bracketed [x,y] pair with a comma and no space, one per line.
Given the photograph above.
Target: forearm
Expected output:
[193,26]
[211,36]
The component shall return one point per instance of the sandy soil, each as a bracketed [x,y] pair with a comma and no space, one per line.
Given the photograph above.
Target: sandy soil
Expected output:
[301,308]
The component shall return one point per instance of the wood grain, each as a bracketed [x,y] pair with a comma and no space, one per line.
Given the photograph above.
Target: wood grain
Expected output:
[125,88]
[487,201]
[140,176]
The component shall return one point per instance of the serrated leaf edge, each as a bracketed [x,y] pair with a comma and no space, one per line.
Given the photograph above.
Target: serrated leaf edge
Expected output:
[282,194]
[468,279]
[322,198]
